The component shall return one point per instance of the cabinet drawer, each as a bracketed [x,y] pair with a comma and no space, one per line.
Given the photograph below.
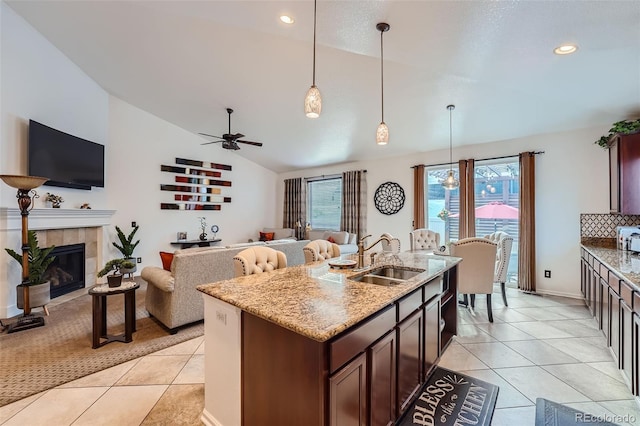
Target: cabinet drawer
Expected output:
[433,288]
[636,303]
[409,304]
[614,283]
[626,294]
[354,341]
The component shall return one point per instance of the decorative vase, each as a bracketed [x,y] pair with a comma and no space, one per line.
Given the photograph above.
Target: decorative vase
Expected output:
[114,280]
[203,236]
[39,295]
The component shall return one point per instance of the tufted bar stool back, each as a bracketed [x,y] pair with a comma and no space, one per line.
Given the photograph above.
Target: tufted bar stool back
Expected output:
[505,243]
[393,246]
[424,239]
[320,250]
[258,259]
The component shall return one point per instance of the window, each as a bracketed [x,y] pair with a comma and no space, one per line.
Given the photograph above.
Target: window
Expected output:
[443,206]
[324,203]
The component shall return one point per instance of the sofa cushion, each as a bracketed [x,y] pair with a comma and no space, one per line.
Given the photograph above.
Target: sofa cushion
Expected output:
[280,233]
[266,236]
[166,258]
[340,237]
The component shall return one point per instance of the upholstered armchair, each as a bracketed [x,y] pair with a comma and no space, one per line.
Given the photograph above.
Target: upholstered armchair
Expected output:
[320,250]
[258,259]
[391,247]
[476,271]
[424,239]
[505,243]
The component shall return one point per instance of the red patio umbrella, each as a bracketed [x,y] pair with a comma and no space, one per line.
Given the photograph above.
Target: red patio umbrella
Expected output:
[495,210]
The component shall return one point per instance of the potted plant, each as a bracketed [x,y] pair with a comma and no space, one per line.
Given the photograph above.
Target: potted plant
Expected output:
[54,199]
[39,261]
[126,247]
[624,127]
[116,268]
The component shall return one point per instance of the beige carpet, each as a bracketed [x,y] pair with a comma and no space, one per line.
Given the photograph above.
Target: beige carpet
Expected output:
[41,358]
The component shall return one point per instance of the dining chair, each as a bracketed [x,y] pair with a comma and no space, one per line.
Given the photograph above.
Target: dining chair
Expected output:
[320,250]
[505,243]
[258,259]
[476,271]
[424,239]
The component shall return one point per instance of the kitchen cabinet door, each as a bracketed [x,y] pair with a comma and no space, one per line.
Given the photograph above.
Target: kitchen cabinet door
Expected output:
[382,381]
[348,390]
[624,174]
[410,334]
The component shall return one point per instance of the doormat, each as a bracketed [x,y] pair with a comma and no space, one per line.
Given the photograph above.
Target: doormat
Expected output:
[449,398]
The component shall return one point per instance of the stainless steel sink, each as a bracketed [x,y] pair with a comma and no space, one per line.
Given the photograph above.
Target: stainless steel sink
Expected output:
[386,275]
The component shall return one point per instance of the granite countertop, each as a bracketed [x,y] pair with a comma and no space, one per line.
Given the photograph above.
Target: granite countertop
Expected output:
[626,264]
[318,301]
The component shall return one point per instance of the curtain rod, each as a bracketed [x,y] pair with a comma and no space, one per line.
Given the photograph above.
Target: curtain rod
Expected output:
[479,159]
[331,176]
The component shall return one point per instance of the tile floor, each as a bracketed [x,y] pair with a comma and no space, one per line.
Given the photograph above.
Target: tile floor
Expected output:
[537,347]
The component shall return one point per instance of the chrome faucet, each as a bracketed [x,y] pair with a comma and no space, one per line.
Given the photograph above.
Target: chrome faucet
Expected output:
[362,248]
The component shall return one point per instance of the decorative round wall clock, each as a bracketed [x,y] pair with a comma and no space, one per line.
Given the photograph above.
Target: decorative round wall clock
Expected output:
[389,198]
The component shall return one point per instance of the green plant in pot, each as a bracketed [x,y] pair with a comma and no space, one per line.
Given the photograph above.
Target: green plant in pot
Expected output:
[114,269]
[624,127]
[126,246]
[38,262]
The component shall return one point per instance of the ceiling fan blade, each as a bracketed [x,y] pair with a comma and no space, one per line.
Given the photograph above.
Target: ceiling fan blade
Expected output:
[251,143]
[211,136]
[208,143]
[238,136]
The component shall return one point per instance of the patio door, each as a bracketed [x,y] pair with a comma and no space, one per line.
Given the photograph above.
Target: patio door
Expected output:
[497,203]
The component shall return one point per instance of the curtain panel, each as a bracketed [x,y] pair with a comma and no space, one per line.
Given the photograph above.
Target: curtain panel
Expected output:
[418,197]
[295,205]
[354,203]
[467,198]
[527,225]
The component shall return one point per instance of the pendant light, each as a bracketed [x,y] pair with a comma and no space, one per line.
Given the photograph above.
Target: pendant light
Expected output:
[382,133]
[313,100]
[450,182]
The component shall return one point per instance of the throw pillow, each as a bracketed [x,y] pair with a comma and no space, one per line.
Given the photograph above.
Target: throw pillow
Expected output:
[331,240]
[166,258]
[266,236]
[339,237]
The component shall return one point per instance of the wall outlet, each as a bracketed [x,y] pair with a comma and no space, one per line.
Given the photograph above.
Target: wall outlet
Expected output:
[547,273]
[139,260]
[133,224]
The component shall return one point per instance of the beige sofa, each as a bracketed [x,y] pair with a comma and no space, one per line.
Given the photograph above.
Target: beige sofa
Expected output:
[172,297]
[346,242]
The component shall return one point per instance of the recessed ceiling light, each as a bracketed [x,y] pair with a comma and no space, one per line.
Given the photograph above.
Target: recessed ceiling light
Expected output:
[287,19]
[565,49]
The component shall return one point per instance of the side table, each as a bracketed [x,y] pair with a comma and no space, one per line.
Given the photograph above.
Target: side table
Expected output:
[99,294]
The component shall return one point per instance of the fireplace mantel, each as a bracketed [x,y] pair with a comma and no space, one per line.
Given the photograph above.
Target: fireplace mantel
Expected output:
[40,219]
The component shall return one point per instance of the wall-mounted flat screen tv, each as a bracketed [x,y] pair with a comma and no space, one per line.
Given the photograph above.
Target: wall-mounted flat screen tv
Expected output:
[68,161]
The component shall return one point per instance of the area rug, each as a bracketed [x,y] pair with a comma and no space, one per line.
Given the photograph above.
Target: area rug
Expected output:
[41,358]
[449,398]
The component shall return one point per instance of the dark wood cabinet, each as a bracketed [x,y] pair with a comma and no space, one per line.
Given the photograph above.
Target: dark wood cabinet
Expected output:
[431,335]
[410,332]
[366,375]
[624,174]
[614,337]
[626,331]
[382,379]
[348,390]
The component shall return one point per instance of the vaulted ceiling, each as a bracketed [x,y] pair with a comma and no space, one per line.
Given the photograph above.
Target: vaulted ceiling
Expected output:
[187,61]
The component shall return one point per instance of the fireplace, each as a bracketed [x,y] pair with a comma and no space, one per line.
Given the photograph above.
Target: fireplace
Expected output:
[66,272]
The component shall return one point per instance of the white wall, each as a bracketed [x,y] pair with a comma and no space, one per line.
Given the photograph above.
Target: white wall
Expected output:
[140,143]
[571,178]
[38,82]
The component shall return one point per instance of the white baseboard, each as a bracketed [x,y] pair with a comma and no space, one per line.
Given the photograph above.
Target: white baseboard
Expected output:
[560,293]
[208,419]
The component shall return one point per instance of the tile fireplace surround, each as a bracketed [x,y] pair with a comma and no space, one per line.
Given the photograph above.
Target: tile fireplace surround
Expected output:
[61,227]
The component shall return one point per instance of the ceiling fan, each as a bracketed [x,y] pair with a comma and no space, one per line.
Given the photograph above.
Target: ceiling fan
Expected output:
[230,141]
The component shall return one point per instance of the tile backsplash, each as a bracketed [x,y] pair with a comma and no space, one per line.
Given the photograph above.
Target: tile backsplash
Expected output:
[597,225]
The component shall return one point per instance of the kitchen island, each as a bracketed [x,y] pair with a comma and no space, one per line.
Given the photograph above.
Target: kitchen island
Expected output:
[313,345]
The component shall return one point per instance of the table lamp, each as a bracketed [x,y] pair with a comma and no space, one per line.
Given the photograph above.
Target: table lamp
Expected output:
[25,186]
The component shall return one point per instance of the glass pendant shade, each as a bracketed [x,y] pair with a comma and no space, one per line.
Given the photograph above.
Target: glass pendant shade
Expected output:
[313,102]
[450,182]
[382,134]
